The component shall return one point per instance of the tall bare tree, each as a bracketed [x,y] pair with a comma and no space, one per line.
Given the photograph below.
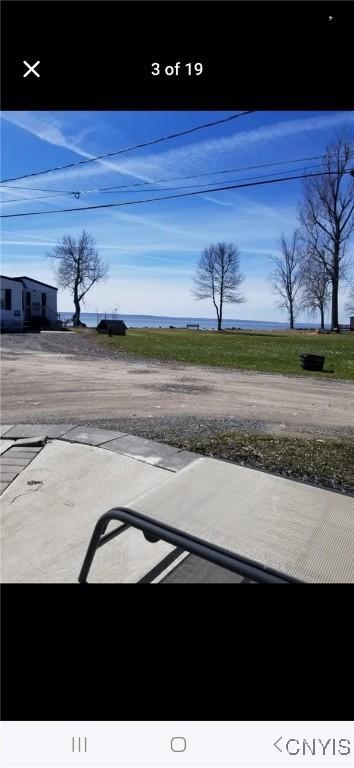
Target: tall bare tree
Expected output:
[326,214]
[78,267]
[287,275]
[315,290]
[218,277]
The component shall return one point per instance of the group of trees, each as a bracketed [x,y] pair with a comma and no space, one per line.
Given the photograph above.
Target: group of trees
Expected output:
[298,281]
[312,262]
[305,276]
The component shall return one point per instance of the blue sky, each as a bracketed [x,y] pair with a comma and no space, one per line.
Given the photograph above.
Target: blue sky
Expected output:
[153,249]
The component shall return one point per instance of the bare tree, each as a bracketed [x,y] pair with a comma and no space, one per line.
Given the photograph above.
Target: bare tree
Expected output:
[287,276]
[326,215]
[315,291]
[78,267]
[218,277]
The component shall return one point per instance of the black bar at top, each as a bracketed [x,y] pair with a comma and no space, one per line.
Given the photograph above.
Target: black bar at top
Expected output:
[98,55]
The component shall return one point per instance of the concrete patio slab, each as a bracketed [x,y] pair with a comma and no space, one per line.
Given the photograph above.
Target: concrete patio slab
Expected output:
[152,452]
[297,529]
[90,435]
[127,559]
[49,511]
[5,444]
[38,430]
[5,428]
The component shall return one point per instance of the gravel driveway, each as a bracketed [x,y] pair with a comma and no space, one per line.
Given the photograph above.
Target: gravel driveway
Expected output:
[67,377]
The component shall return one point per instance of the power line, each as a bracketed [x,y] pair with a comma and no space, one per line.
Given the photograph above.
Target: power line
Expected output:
[194,186]
[169,178]
[165,197]
[40,197]
[127,187]
[37,189]
[213,173]
[131,187]
[136,146]
[167,189]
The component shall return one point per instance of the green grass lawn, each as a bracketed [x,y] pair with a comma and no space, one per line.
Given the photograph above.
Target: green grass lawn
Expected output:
[328,462]
[275,352]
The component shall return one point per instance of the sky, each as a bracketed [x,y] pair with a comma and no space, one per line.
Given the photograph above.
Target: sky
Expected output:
[152,249]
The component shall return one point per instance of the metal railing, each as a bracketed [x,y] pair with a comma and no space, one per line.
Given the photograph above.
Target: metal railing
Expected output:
[155,531]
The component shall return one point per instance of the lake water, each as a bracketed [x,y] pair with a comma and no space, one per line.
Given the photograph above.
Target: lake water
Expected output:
[156,321]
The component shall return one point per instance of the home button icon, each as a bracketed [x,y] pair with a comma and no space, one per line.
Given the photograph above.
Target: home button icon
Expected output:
[178,744]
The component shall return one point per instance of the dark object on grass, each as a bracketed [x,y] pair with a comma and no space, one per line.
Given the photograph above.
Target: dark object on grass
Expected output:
[112,327]
[312,362]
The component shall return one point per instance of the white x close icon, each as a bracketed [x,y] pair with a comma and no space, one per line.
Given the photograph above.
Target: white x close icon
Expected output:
[31,68]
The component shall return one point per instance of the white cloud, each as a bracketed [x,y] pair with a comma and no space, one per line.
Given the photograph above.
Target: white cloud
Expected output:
[49,129]
[193,155]
[148,221]
[29,235]
[197,153]
[217,201]
[45,127]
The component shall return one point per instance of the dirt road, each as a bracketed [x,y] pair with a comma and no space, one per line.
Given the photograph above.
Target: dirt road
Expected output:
[55,377]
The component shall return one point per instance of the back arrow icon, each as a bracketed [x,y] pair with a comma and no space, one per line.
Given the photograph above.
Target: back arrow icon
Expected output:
[276,744]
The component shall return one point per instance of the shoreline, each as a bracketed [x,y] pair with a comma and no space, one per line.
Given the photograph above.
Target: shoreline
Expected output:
[162,322]
[258,329]
[245,331]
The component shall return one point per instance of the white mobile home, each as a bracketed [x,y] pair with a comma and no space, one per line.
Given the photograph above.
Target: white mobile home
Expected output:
[27,303]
